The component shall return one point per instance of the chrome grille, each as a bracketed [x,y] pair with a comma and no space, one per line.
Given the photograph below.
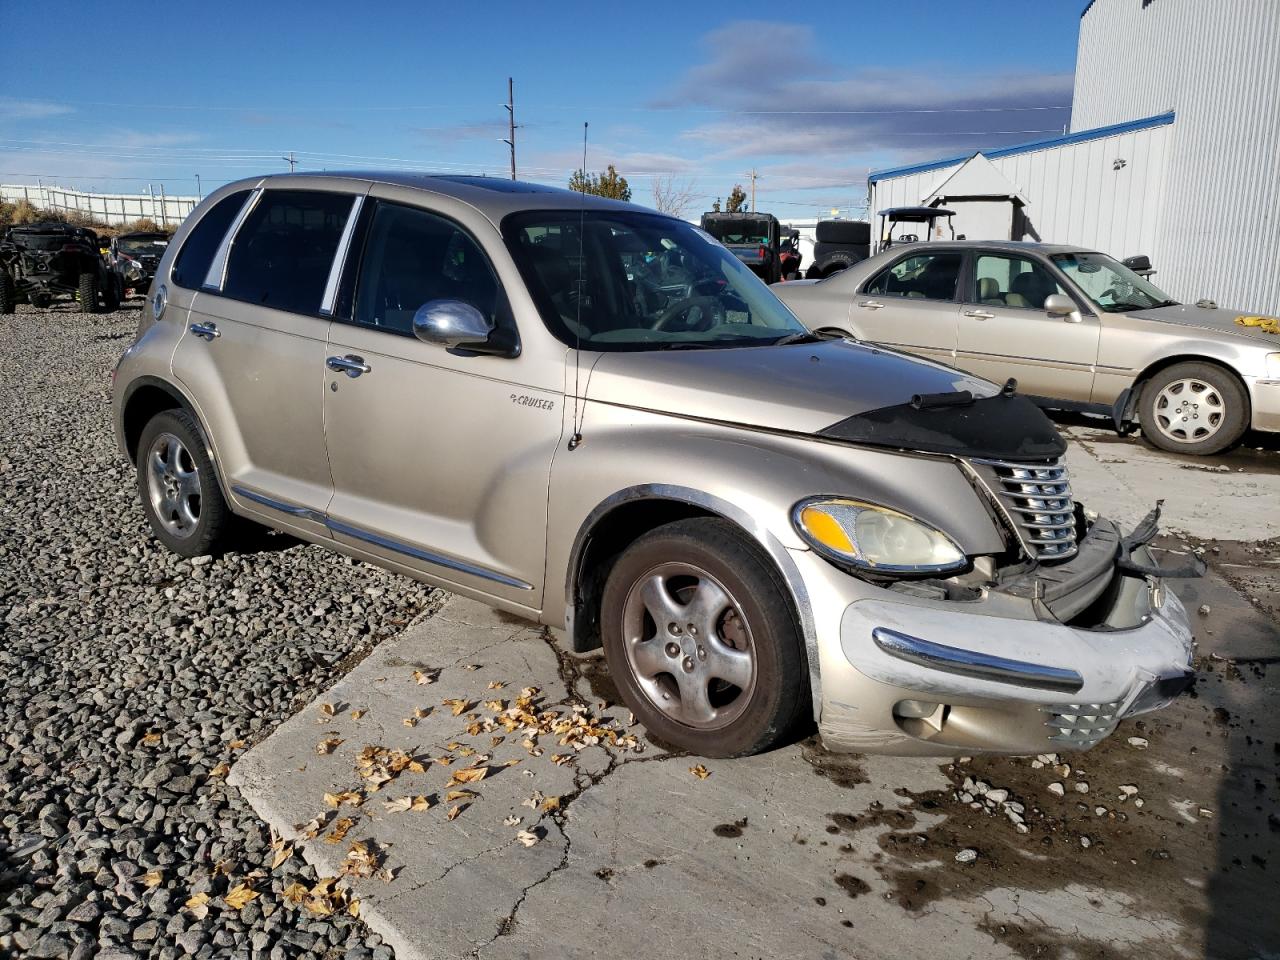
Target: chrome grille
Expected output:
[1081,724]
[1037,500]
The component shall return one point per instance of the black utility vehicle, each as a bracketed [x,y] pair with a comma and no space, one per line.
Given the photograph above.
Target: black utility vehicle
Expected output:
[134,257]
[41,261]
[754,238]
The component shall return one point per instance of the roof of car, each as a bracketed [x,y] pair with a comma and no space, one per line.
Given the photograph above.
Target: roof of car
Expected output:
[493,196]
[1014,245]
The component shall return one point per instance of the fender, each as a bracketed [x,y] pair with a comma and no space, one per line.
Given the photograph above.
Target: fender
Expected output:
[728,511]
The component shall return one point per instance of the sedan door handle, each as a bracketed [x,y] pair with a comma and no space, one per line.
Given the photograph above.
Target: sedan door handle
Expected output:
[979,314]
[206,331]
[351,365]
[871,304]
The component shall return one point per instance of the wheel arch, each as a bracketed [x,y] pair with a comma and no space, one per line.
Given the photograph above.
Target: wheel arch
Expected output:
[1164,363]
[146,397]
[620,519]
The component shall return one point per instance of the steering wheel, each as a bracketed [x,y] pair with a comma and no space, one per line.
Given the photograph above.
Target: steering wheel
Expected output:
[712,310]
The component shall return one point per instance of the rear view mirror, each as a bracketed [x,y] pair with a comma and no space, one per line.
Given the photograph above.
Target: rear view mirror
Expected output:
[1057,305]
[457,325]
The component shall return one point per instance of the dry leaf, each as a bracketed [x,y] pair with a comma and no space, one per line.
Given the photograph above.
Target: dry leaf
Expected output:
[353,908]
[237,744]
[459,707]
[422,712]
[199,905]
[496,684]
[311,829]
[444,761]
[223,868]
[453,795]
[357,714]
[700,772]
[468,775]
[497,706]
[152,878]
[240,896]
[294,893]
[426,676]
[528,837]
[494,741]
[453,812]
[221,770]
[560,759]
[410,721]
[151,739]
[408,803]
[512,820]
[325,747]
[283,854]
[550,804]
[340,830]
[352,798]
[532,801]
[326,709]
[510,763]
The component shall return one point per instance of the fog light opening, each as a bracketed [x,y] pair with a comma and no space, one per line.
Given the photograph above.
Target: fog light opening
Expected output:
[922,719]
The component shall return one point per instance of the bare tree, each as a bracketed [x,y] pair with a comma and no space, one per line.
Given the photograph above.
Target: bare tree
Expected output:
[672,196]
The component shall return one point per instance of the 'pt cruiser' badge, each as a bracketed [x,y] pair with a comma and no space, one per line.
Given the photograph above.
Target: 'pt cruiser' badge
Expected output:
[524,400]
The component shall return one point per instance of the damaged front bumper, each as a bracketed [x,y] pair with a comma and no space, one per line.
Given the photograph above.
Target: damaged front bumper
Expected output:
[1053,659]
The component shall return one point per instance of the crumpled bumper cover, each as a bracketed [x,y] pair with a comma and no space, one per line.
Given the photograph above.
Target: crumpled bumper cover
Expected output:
[946,681]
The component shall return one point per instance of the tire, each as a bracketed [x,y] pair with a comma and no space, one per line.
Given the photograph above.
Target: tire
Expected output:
[88,293]
[1194,408]
[178,487]
[750,634]
[8,293]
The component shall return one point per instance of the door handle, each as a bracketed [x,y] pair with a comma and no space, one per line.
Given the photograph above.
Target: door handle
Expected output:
[979,314]
[206,331]
[351,365]
[871,304]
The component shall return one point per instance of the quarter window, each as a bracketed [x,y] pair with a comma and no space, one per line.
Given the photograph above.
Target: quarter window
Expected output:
[283,252]
[412,257]
[925,276]
[1021,282]
[192,263]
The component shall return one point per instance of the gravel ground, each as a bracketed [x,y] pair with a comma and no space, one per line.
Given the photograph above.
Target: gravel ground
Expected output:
[131,677]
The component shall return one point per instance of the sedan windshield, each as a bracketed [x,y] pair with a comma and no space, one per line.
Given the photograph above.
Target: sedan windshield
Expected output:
[617,280]
[1111,285]
[137,246]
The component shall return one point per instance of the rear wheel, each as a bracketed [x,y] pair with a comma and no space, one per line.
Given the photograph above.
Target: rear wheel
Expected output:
[702,642]
[179,487]
[8,293]
[111,293]
[1195,408]
[88,293]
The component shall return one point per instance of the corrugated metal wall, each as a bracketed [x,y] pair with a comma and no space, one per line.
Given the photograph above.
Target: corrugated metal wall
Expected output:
[1074,193]
[1217,65]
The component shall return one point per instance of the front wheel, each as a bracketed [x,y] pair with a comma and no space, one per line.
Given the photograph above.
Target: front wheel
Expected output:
[8,292]
[88,293]
[1194,408]
[702,641]
[179,487]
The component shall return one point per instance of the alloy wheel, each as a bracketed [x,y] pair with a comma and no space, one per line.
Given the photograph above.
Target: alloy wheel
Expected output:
[173,485]
[1189,410]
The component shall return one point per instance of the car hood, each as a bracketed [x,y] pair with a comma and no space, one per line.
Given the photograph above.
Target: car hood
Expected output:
[798,388]
[1202,318]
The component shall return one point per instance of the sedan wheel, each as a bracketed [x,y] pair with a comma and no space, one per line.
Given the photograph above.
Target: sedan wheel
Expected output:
[1189,410]
[702,640]
[1195,408]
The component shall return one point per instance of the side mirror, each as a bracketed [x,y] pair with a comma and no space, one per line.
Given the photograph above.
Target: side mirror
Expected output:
[457,325]
[1057,305]
[1138,264]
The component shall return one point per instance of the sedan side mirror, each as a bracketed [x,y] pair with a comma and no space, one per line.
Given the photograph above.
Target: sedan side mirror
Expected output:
[1138,264]
[1058,305]
[457,325]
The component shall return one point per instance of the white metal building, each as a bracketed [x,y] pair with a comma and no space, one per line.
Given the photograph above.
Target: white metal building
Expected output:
[1173,152]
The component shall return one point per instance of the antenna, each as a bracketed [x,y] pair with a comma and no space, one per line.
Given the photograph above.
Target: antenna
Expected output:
[510,141]
[576,438]
[290,160]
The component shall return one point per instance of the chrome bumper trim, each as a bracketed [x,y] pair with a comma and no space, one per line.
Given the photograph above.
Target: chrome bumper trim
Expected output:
[358,533]
[970,663]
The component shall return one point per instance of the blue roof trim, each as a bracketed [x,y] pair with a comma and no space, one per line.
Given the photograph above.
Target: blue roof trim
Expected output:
[1087,7]
[1097,133]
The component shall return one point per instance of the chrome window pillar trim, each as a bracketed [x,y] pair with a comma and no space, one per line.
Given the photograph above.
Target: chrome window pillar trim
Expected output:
[340,258]
[971,663]
[358,533]
[217,275]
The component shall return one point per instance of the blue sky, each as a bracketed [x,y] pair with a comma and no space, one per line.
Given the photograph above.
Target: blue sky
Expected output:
[810,95]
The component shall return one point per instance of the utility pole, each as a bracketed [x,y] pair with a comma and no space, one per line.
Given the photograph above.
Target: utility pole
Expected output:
[753,189]
[199,192]
[510,141]
[289,160]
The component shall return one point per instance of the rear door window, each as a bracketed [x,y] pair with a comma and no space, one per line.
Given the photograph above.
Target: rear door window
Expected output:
[1010,281]
[924,276]
[192,263]
[283,252]
[411,257]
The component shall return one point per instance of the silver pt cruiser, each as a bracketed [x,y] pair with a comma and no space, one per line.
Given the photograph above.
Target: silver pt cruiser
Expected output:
[593,416]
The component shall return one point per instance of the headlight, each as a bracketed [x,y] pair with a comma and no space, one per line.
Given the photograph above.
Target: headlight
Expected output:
[872,538]
[1273,366]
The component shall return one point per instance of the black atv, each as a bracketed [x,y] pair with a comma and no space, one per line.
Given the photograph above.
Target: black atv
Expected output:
[42,261]
[134,257]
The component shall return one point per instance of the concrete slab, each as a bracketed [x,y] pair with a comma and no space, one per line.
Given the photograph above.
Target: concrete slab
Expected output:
[792,854]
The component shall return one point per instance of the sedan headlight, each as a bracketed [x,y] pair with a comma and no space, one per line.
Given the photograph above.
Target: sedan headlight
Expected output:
[1273,366]
[851,533]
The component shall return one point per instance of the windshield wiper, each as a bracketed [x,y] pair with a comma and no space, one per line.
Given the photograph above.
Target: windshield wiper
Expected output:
[805,337]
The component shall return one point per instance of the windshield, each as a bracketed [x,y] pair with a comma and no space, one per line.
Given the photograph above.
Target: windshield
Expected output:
[44,241]
[617,280]
[137,246]
[1111,285]
[741,231]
